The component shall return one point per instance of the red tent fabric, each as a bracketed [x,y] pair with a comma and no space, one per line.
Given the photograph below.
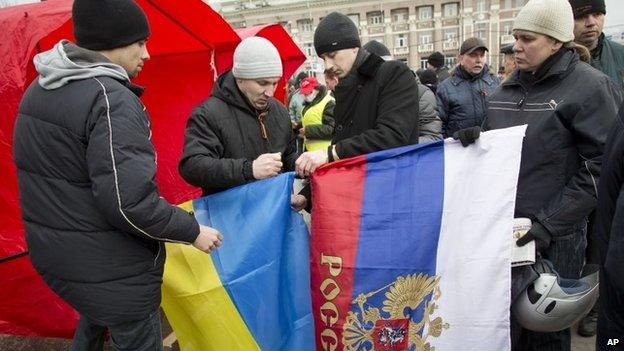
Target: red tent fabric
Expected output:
[290,53]
[188,42]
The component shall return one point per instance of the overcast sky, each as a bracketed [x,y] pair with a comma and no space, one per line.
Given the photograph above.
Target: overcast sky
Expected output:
[615,13]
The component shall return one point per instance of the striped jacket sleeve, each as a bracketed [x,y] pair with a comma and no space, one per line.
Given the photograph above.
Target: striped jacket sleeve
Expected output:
[122,167]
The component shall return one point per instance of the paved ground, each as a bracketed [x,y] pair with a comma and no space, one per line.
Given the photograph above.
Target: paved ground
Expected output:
[12,343]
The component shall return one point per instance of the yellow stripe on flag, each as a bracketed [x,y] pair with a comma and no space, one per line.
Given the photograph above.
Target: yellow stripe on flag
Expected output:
[197,306]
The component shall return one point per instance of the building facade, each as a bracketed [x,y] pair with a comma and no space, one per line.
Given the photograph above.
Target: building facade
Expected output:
[412,30]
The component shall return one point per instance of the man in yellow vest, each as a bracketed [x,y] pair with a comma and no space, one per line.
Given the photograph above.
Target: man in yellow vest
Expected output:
[317,116]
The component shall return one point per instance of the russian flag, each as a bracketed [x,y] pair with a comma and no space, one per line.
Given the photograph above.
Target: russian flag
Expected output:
[411,247]
[253,293]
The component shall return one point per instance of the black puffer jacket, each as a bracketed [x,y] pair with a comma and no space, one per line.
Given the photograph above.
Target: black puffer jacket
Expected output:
[223,136]
[86,167]
[569,108]
[610,234]
[376,107]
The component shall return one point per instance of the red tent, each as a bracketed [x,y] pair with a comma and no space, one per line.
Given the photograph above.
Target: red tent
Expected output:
[188,42]
[291,55]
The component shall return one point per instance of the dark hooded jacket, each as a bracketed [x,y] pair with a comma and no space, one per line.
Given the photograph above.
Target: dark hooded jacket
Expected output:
[608,57]
[610,235]
[95,223]
[225,134]
[569,108]
[376,107]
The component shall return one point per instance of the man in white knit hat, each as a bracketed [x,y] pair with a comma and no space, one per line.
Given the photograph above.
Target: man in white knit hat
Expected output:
[569,109]
[240,133]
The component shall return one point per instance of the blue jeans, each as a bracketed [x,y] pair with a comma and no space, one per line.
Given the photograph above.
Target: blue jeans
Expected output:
[141,335]
[567,254]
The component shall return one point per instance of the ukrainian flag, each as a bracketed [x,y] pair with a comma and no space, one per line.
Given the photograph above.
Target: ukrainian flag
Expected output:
[253,293]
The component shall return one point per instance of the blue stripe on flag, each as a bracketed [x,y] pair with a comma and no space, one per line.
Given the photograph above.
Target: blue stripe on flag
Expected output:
[263,262]
[401,218]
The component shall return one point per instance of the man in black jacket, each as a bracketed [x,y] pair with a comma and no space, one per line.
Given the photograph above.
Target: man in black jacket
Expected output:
[607,55]
[376,100]
[95,223]
[241,133]
[610,236]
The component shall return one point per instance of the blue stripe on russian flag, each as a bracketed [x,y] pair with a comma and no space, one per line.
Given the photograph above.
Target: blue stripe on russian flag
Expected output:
[401,218]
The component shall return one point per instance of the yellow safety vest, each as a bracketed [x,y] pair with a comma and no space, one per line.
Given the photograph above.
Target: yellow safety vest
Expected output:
[314,115]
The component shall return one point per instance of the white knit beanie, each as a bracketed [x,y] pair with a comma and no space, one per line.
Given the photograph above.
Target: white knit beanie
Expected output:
[256,57]
[549,17]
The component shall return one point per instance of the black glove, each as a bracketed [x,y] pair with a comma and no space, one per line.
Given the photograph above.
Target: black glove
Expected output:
[467,136]
[538,233]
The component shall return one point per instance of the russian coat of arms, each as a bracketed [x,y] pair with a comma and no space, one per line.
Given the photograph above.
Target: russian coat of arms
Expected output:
[392,328]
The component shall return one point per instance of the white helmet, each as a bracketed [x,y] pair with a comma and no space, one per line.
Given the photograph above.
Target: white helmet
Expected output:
[551,303]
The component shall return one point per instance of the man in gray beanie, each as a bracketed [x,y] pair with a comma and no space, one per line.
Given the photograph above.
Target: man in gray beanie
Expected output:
[95,222]
[607,55]
[240,133]
[376,100]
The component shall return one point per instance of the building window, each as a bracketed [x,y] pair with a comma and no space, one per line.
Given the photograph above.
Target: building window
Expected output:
[450,34]
[355,18]
[449,61]
[308,49]
[423,63]
[450,10]
[481,6]
[506,4]
[400,15]
[425,38]
[304,25]
[507,28]
[400,40]
[374,18]
[425,12]
[481,30]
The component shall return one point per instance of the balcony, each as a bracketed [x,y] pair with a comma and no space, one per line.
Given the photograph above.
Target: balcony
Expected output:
[450,45]
[401,50]
[425,47]
[376,29]
[507,39]
[400,27]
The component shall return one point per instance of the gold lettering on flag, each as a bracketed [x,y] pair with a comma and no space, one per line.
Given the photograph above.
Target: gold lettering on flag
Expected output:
[328,311]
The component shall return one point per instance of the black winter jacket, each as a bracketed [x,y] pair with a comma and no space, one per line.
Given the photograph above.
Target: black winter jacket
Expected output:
[569,108]
[609,229]
[86,168]
[376,107]
[224,135]
[608,57]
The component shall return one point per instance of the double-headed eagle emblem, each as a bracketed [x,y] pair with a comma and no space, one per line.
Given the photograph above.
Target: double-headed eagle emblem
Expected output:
[392,328]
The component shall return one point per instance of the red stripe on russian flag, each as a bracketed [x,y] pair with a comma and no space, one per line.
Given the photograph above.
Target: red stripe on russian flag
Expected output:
[335,229]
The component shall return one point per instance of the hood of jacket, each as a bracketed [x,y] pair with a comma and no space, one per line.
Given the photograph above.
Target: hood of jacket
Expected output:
[67,62]
[225,88]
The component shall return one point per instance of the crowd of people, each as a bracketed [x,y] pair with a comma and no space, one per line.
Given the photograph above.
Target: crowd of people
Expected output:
[95,223]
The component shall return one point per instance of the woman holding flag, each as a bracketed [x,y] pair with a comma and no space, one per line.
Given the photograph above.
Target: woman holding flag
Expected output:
[569,108]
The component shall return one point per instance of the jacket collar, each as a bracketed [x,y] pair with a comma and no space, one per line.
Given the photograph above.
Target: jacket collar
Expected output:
[563,65]
[227,90]
[597,52]
[365,65]
[460,75]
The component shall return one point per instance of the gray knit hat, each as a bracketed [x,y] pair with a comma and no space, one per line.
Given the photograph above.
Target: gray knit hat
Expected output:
[549,17]
[256,57]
